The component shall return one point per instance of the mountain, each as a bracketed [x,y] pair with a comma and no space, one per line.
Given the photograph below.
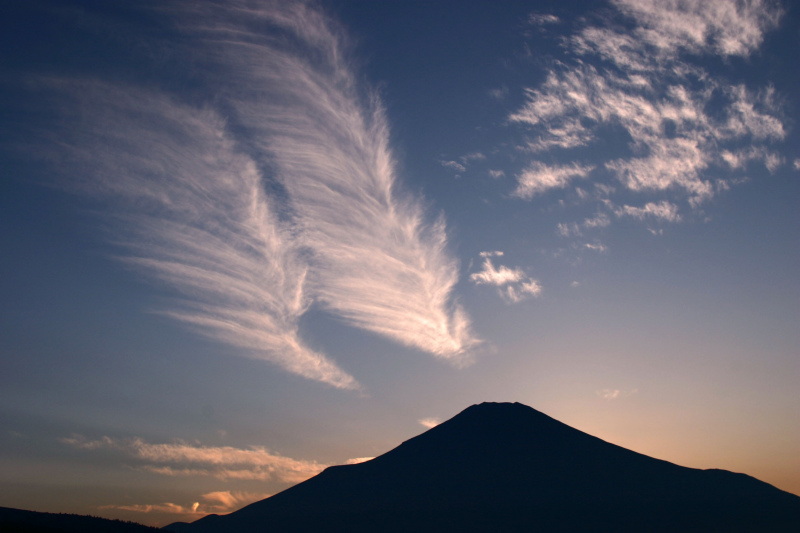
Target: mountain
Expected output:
[507,467]
[20,521]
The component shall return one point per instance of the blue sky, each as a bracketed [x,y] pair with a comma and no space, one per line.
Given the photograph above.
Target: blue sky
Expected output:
[247,240]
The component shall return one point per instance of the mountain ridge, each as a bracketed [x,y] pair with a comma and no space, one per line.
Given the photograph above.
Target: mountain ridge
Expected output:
[508,467]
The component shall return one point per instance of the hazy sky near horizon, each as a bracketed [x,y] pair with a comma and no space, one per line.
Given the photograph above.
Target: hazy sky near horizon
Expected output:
[246,240]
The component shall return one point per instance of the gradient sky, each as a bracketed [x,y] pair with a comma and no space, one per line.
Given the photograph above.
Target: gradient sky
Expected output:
[242,241]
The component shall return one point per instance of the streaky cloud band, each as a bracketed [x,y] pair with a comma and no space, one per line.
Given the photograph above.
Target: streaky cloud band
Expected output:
[281,109]
[192,212]
[375,260]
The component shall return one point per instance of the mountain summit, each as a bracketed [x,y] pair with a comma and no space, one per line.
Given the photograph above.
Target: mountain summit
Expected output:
[507,467]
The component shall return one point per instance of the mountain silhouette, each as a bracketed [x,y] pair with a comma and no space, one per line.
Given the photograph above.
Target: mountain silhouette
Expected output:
[507,467]
[21,521]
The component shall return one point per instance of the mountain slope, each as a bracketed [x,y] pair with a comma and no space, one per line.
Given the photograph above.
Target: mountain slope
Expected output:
[508,467]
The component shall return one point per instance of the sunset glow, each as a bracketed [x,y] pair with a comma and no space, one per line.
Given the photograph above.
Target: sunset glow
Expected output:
[244,241]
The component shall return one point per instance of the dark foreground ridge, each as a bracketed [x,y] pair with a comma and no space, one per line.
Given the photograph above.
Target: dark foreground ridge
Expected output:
[507,467]
[19,521]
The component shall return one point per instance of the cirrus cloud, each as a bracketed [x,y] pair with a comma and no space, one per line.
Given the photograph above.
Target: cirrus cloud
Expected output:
[275,193]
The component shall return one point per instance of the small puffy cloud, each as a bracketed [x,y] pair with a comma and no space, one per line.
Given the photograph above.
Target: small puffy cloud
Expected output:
[595,247]
[614,394]
[490,253]
[221,462]
[430,422]
[455,165]
[496,174]
[513,285]
[538,178]
[796,164]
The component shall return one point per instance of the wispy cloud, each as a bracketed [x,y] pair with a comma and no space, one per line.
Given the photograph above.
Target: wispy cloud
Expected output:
[716,26]
[499,93]
[358,460]
[572,229]
[375,258]
[738,159]
[166,507]
[430,422]
[568,229]
[539,177]
[640,81]
[226,500]
[221,462]
[191,210]
[661,210]
[188,189]
[595,247]
[474,156]
[599,221]
[497,276]
[542,19]
[513,285]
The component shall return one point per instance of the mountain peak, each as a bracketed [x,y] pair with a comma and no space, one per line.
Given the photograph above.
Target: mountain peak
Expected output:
[509,467]
[508,411]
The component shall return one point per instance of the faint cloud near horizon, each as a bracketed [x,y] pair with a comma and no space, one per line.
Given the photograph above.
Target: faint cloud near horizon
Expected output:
[358,460]
[219,502]
[615,394]
[221,462]
[430,422]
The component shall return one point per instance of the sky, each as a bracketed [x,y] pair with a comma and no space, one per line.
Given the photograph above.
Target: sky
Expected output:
[246,240]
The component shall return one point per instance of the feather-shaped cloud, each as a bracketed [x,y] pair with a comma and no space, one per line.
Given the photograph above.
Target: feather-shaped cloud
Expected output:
[188,184]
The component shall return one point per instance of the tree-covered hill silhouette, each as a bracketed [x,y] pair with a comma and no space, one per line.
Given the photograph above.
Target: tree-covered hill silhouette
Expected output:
[21,521]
